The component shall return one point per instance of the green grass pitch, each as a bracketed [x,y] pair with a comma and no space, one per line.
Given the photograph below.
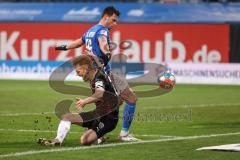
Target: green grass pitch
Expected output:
[171,126]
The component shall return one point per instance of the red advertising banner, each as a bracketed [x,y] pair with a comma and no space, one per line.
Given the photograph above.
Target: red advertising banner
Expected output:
[156,43]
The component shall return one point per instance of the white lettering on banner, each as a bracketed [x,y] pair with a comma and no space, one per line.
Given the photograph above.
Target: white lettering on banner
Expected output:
[214,56]
[135,12]
[85,11]
[8,50]
[20,12]
[133,53]
[170,45]
[204,56]
[158,52]
[168,50]
[206,73]
[38,71]
[5,69]
[62,56]
[46,44]
[164,53]
[7,45]
[24,50]
[78,51]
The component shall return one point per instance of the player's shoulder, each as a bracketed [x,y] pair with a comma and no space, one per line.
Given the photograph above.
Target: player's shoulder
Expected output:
[103,30]
[98,27]
[100,79]
[100,76]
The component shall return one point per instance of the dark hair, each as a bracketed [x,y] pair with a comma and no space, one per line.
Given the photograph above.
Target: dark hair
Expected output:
[83,60]
[110,10]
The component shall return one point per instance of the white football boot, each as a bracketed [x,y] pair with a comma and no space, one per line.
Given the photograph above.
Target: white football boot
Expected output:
[126,137]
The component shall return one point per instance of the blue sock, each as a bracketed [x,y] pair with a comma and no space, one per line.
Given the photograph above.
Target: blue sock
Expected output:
[128,113]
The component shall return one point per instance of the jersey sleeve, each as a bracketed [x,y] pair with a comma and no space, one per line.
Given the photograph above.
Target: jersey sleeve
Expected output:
[103,32]
[84,38]
[99,83]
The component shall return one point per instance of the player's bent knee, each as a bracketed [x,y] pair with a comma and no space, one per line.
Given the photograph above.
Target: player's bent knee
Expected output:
[66,117]
[129,96]
[84,141]
[132,98]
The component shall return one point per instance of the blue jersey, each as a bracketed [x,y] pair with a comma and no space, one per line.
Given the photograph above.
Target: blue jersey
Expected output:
[90,38]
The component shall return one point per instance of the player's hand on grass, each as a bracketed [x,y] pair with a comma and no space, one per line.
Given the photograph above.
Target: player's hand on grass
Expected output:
[80,104]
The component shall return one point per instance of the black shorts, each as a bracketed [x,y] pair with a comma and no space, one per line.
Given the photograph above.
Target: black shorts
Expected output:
[100,124]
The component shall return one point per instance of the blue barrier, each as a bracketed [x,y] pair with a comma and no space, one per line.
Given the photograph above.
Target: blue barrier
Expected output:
[49,66]
[28,66]
[137,72]
[130,12]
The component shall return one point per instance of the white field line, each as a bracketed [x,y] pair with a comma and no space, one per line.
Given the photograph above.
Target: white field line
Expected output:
[28,130]
[24,114]
[191,106]
[154,135]
[141,108]
[33,152]
[72,132]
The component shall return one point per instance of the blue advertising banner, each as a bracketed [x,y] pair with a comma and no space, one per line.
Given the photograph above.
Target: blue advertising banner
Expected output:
[130,12]
[42,70]
[38,70]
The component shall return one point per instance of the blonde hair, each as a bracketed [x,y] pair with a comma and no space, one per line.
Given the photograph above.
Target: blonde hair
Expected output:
[83,60]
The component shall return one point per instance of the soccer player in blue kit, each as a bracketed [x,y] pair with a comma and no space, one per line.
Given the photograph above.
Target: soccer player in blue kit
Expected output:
[97,41]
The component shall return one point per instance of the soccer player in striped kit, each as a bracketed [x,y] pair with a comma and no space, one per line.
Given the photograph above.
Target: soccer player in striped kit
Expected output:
[97,41]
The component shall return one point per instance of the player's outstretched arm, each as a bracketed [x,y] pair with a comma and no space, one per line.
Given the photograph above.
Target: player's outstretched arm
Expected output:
[99,91]
[74,44]
[105,48]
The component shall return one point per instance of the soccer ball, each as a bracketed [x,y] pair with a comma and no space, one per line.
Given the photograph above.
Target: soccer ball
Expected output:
[166,80]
